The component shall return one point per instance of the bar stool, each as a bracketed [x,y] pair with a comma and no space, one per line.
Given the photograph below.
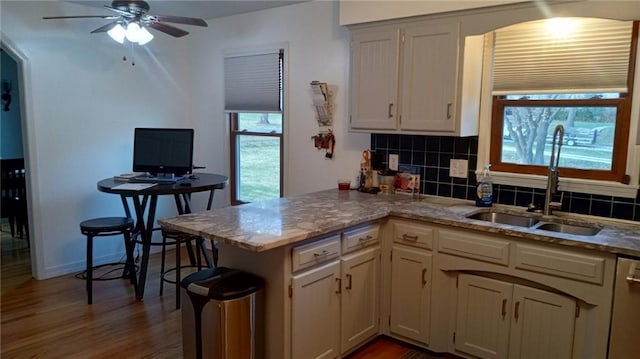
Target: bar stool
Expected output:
[176,238]
[108,226]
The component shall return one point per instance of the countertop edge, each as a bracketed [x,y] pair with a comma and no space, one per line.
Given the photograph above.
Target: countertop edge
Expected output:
[438,211]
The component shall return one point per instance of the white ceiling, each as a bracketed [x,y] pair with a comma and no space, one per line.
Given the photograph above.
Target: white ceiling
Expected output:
[201,9]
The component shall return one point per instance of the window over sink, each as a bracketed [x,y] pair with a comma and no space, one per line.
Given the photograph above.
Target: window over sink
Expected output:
[581,79]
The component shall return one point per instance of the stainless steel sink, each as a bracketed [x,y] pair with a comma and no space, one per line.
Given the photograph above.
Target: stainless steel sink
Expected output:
[569,229]
[504,218]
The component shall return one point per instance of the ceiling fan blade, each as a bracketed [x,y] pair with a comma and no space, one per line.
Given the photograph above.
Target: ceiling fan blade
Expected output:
[121,12]
[105,28]
[179,20]
[168,29]
[108,17]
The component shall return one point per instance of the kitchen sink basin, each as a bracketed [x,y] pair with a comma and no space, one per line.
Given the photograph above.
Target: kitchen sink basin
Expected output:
[569,229]
[504,218]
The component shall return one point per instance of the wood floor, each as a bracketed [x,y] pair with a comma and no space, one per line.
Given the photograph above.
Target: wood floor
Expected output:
[51,319]
[379,348]
[15,261]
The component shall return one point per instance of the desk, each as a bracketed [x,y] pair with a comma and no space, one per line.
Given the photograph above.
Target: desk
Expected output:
[146,201]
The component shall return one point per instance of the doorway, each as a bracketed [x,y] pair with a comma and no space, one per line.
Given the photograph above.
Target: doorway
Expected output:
[16,267]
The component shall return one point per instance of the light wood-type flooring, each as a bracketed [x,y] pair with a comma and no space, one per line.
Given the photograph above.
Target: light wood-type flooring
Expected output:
[51,319]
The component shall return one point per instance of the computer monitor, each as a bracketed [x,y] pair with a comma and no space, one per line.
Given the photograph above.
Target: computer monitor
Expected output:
[163,151]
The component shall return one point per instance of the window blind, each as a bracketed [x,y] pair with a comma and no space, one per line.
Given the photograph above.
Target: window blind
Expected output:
[253,83]
[529,58]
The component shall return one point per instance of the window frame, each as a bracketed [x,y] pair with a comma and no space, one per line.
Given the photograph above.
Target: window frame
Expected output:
[234,133]
[507,172]
[621,137]
[231,117]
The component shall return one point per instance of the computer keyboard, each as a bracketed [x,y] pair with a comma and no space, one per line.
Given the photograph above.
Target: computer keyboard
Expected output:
[159,180]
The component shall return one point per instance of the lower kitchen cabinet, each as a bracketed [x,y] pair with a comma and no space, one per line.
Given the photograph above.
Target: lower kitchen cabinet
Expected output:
[497,319]
[315,312]
[410,293]
[360,318]
[335,307]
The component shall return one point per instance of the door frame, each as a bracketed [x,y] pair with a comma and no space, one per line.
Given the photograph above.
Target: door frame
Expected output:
[28,141]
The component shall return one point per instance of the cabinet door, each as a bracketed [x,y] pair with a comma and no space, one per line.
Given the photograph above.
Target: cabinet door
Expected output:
[374,78]
[542,324]
[429,78]
[411,293]
[315,313]
[360,293]
[483,309]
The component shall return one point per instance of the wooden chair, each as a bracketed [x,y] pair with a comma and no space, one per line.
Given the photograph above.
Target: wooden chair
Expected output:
[14,196]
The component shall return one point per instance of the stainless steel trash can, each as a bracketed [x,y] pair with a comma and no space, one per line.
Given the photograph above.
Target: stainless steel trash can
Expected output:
[222,315]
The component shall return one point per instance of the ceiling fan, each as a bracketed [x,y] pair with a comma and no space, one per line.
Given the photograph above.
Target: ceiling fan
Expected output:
[131,20]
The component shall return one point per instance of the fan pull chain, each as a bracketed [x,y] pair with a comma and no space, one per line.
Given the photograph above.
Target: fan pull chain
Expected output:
[131,55]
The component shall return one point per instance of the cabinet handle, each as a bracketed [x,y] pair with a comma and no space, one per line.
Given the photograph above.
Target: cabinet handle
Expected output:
[339,290]
[324,253]
[631,277]
[633,280]
[504,308]
[448,111]
[407,237]
[516,314]
[349,278]
[364,239]
[390,107]
[424,277]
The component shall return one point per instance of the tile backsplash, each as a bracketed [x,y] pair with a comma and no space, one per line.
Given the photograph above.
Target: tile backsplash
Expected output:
[431,155]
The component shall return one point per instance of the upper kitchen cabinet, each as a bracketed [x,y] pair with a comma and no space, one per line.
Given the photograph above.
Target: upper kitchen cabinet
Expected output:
[418,77]
[374,78]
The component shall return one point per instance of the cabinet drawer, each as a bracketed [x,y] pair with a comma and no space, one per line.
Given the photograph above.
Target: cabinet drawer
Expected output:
[474,246]
[412,235]
[360,237]
[316,252]
[560,263]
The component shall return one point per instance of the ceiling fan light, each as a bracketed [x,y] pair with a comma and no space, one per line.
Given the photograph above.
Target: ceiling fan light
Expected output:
[133,32]
[117,33]
[144,36]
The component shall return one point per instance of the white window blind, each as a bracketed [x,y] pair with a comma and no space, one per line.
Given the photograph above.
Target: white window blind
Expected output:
[253,83]
[582,55]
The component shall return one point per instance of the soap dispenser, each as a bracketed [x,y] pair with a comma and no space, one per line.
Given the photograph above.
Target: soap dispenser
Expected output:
[484,193]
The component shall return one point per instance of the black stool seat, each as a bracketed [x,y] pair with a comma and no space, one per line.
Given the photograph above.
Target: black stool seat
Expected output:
[108,226]
[105,225]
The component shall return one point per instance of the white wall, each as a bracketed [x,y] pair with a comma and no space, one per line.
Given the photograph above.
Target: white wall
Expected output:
[83,101]
[318,49]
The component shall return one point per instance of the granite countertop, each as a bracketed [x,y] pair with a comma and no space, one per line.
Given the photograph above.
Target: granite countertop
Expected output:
[274,223]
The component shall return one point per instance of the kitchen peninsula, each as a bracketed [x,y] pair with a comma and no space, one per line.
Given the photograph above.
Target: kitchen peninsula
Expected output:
[338,237]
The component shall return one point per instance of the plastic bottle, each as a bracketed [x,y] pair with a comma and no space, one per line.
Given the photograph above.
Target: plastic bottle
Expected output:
[484,194]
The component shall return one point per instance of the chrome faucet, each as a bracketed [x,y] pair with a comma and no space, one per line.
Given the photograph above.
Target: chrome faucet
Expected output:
[552,172]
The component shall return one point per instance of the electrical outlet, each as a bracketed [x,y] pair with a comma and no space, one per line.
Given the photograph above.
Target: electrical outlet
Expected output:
[393,162]
[458,168]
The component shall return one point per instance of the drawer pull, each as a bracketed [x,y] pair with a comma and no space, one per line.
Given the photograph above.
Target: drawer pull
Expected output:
[349,284]
[364,239]
[322,254]
[408,237]
[424,277]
